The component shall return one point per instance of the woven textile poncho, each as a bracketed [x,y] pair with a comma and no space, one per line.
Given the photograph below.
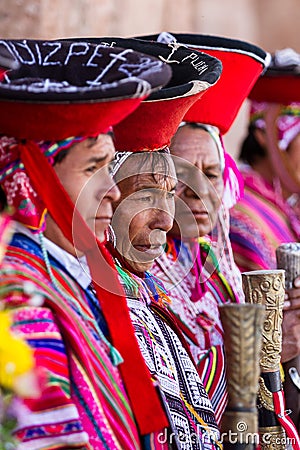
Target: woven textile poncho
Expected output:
[170,363]
[199,319]
[260,222]
[84,404]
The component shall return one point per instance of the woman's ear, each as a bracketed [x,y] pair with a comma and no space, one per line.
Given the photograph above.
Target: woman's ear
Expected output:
[260,136]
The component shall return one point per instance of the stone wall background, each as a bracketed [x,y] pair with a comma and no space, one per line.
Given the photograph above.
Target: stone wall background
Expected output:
[271,24]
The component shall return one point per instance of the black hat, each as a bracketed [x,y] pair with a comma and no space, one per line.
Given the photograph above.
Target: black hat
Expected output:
[73,88]
[157,118]
[242,64]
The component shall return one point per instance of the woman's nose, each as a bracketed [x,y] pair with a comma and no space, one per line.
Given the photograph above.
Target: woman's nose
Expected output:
[108,188]
[114,193]
[162,218]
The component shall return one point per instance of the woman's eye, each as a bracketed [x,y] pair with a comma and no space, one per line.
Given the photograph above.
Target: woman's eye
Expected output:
[212,175]
[146,198]
[171,195]
[91,169]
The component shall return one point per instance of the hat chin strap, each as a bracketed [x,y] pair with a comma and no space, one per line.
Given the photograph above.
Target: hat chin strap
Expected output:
[279,159]
[143,396]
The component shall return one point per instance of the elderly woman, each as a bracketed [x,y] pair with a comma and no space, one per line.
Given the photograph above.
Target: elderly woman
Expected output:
[191,270]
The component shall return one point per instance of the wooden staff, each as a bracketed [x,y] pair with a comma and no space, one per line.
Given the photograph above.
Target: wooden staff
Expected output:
[242,324]
[266,287]
[288,258]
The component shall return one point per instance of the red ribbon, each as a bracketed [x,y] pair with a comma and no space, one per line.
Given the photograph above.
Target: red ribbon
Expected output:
[284,419]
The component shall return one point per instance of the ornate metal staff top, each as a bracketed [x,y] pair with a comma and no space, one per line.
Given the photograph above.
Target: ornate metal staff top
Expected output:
[267,287]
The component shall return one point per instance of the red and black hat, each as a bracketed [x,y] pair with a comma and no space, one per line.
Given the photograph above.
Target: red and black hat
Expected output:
[281,81]
[73,88]
[156,120]
[242,64]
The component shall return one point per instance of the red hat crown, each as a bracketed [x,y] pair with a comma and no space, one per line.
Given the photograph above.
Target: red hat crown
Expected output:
[281,81]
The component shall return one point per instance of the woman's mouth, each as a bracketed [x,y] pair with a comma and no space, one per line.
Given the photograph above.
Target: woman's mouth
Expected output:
[151,250]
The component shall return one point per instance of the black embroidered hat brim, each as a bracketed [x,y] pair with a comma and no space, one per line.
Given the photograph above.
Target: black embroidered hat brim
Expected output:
[193,68]
[73,88]
[242,63]
[155,121]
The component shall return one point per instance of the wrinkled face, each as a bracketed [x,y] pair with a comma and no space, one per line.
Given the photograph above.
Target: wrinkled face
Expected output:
[144,214]
[84,173]
[200,182]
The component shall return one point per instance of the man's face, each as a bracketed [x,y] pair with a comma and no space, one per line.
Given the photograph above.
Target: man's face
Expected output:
[84,173]
[200,182]
[145,211]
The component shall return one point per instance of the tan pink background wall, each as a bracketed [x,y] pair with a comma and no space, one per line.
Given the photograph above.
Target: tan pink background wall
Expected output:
[270,24]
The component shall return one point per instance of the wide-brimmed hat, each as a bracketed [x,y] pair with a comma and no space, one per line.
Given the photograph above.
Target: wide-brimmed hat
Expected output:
[156,120]
[242,64]
[73,88]
[281,81]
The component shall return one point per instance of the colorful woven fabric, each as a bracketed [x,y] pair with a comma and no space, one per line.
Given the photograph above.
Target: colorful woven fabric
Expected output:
[169,363]
[260,222]
[84,404]
[199,321]
[28,207]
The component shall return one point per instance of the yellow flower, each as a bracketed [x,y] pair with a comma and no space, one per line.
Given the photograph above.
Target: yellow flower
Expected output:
[16,357]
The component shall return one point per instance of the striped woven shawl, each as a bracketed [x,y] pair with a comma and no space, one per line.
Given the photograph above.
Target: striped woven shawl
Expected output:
[84,404]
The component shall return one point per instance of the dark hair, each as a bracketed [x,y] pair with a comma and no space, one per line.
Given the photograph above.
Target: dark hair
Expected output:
[152,160]
[157,158]
[251,150]
[61,155]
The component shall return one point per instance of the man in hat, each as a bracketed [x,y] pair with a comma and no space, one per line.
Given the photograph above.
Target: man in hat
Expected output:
[146,177]
[197,266]
[55,149]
